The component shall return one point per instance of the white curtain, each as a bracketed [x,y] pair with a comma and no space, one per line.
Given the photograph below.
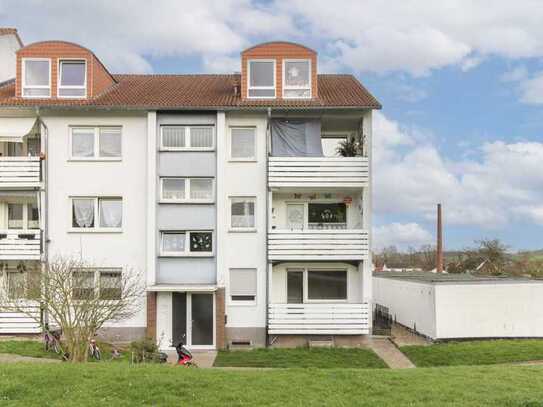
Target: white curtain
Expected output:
[243,214]
[173,136]
[243,143]
[201,188]
[173,242]
[201,136]
[83,213]
[111,213]
[173,188]
[83,142]
[110,143]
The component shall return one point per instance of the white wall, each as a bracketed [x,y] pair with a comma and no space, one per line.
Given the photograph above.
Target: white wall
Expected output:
[410,303]
[238,249]
[485,310]
[8,47]
[126,178]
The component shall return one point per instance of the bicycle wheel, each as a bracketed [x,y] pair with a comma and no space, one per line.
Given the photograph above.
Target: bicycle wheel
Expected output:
[55,347]
[97,354]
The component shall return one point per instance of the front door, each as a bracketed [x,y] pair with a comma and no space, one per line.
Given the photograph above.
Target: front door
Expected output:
[295,216]
[193,319]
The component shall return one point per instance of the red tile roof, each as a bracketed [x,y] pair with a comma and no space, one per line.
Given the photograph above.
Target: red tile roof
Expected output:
[200,91]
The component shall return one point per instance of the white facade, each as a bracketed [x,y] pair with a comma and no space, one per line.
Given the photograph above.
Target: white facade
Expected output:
[454,310]
[9,44]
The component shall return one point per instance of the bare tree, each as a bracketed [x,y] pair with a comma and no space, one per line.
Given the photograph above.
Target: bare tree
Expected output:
[78,297]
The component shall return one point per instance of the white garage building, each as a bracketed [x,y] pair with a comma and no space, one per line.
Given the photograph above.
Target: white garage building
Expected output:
[454,306]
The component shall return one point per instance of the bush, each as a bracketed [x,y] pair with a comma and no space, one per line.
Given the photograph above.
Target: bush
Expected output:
[143,350]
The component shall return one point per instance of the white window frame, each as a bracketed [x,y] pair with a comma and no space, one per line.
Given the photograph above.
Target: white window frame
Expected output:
[26,216]
[96,228]
[242,303]
[96,271]
[252,198]
[25,86]
[285,87]
[59,79]
[187,138]
[187,252]
[274,87]
[305,271]
[96,156]
[187,199]
[242,159]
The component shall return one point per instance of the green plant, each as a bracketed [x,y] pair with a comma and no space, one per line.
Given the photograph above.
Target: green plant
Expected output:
[350,147]
[143,350]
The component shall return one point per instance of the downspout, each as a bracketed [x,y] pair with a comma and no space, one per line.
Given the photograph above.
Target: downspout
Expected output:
[44,213]
[268,277]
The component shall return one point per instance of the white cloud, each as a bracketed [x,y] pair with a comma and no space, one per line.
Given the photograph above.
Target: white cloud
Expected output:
[501,184]
[532,90]
[518,73]
[401,235]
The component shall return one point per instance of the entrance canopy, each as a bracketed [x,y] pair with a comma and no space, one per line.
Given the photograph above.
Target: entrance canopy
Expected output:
[182,288]
[14,130]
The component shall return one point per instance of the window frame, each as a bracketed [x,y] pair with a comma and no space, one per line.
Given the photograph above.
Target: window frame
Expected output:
[242,303]
[96,287]
[284,85]
[96,150]
[252,159]
[25,86]
[232,229]
[59,79]
[188,199]
[27,216]
[187,252]
[96,207]
[187,138]
[274,87]
[306,270]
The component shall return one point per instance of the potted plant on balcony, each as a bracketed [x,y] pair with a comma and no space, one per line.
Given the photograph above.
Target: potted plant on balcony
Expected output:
[352,146]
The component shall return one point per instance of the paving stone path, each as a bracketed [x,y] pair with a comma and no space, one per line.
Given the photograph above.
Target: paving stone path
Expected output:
[390,354]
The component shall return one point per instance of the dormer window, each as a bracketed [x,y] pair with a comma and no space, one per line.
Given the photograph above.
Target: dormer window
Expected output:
[261,78]
[72,79]
[36,77]
[297,78]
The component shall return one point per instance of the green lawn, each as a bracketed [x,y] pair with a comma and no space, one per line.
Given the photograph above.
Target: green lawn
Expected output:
[301,358]
[485,352]
[34,349]
[109,384]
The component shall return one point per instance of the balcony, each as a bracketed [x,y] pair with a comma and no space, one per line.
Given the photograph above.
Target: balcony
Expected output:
[20,244]
[318,172]
[318,319]
[315,245]
[20,172]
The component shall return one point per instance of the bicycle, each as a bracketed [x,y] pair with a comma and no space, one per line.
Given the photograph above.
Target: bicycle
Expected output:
[52,340]
[94,350]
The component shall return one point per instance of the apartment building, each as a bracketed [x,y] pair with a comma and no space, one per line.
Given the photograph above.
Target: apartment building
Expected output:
[226,190]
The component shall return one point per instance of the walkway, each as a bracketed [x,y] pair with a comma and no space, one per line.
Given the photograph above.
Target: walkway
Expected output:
[390,354]
[203,359]
[12,358]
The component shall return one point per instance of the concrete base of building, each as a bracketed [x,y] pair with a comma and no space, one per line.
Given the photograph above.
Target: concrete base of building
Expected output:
[296,341]
[246,337]
[122,334]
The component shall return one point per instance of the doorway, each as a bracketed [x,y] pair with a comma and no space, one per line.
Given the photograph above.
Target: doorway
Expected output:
[295,216]
[193,319]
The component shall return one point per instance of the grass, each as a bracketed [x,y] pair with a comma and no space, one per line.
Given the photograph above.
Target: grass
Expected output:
[94,384]
[301,358]
[485,352]
[31,348]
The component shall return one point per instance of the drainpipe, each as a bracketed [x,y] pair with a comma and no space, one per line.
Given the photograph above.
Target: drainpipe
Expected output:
[268,139]
[44,213]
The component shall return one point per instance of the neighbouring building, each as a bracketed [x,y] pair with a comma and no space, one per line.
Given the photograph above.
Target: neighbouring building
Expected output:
[226,190]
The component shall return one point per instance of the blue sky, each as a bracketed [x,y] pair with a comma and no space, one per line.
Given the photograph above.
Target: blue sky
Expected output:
[461,84]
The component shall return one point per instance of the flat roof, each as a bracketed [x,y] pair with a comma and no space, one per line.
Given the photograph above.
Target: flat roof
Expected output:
[456,278]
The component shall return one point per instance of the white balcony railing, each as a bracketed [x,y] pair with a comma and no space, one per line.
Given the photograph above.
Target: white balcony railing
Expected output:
[20,244]
[318,319]
[19,172]
[308,172]
[12,321]
[346,244]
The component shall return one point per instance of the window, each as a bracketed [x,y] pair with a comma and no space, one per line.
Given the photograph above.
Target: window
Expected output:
[23,284]
[36,78]
[187,137]
[15,149]
[102,143]
[72,79]
[187,189]
[242,213]
[183,243]
[327,216]
[15,216]
[109,210]
[243,285]
[83,285]
[15,284]
[110,284]
[261,78]
[33,215]
[297,78]
[243,143]
[326,284]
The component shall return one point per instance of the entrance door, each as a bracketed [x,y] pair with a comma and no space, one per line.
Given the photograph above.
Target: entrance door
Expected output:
[295,287]
[193,319]
[295,216]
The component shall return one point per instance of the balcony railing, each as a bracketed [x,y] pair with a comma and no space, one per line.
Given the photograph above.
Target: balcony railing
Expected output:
[19,172]
[318,319]
[13,321]
[348,244]
[19,244]
[308,172]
